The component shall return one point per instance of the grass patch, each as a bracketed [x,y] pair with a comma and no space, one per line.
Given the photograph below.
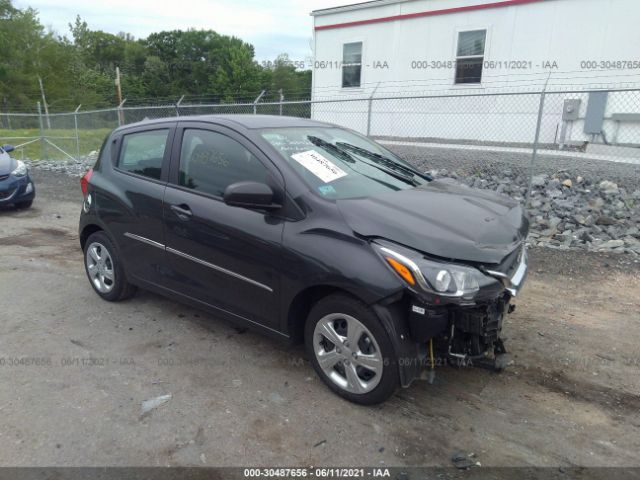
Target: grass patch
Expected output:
[89,140]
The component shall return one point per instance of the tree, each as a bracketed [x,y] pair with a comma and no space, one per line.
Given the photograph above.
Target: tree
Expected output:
[202,64]
[284,76]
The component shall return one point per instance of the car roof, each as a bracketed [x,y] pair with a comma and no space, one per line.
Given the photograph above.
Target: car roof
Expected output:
[247,121]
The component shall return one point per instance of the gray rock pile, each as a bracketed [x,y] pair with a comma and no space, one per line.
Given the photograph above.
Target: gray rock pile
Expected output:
[75,168]
[570,211]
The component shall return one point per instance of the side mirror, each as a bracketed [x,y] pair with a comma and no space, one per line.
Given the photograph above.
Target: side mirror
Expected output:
[250,195]
[8,148]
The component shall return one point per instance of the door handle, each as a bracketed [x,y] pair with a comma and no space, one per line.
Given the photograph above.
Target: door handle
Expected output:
[183,212]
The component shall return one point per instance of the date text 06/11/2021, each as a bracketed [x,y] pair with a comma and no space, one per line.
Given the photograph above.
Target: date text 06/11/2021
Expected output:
[317,472]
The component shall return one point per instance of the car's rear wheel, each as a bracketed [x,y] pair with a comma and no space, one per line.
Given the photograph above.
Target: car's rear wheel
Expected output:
[350,350]
[104,269]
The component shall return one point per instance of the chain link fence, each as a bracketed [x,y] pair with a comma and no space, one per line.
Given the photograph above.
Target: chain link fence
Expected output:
[572,156]
[484,118]
[470,135]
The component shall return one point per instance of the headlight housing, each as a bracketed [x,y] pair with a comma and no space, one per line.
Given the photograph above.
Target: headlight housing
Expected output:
[20,170]
[439,278]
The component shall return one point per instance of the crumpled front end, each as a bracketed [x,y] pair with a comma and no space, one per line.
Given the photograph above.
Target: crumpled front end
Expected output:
[463,329]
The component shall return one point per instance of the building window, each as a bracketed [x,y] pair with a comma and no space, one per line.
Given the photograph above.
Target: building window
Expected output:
[470,56]
[351,64]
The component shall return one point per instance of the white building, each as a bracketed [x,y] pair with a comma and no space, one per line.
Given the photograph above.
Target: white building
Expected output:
[401,48]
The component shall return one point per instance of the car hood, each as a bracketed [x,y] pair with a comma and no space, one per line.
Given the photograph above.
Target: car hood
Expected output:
[7,164]
[442,218]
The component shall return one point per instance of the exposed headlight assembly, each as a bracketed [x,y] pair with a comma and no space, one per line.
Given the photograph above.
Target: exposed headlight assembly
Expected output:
[20,170]
[445,279]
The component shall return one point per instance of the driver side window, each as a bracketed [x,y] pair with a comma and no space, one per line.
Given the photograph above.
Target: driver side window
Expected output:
[211,161]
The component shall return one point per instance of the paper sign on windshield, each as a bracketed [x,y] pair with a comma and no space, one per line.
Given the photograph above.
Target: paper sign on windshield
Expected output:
[321,167]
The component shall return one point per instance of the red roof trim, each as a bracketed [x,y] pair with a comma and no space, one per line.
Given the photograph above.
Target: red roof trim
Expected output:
[445,11]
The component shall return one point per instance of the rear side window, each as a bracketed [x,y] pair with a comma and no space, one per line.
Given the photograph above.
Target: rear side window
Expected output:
[142,153]
[210,162]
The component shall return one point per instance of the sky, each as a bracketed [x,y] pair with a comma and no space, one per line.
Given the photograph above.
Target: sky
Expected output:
[272,26]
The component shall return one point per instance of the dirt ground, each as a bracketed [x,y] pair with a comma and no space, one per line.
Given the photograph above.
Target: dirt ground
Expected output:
[75,370]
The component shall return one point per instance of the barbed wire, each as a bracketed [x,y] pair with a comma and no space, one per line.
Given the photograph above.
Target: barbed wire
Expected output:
[388,88]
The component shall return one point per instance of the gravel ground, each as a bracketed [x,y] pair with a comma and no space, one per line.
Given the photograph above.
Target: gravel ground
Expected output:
[467,163]
[575,204]
[570,397]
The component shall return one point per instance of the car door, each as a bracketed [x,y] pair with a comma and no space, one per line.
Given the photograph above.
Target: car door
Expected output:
[223,256]
[131,204]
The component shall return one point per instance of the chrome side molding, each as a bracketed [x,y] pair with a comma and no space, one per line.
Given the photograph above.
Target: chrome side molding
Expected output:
[218,268]
[153,243]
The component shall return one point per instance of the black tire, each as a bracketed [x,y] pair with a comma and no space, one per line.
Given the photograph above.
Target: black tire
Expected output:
[24,205]
[343,304]
[121,289]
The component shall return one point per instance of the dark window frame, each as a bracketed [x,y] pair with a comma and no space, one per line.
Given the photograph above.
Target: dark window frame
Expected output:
[174,169]
[346,64]
[117,144]
[465,61]
[217,137]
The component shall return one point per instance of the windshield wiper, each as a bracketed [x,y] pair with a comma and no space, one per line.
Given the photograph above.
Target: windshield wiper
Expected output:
[394,173]
[337,151]
[340,153]
[386,161]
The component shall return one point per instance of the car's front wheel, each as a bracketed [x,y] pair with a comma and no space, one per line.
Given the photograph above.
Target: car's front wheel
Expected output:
[104,269]
[24,205]
[350,350]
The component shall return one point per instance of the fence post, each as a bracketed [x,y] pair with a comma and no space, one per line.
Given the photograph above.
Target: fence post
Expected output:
[75,122]
[121,113]
[369,108]
[534,153]
[42,139]
[281,100]
[177,106]
[255,102]
[5,106]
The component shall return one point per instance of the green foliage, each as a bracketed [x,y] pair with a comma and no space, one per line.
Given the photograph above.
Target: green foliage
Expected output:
[162,67]
[89,141]
[284,76]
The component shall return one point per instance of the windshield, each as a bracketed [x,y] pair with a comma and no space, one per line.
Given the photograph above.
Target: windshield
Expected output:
[338,164]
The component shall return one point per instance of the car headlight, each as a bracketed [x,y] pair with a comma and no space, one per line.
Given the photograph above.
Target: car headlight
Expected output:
[20,170]
[445,279]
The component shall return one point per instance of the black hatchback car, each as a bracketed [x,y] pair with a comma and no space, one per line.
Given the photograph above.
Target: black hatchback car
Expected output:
[306,231]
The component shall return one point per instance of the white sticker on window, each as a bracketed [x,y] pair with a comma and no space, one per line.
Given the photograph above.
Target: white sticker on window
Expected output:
[321,167]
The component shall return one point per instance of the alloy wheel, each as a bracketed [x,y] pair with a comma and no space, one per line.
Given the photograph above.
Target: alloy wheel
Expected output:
[347,353]
[100,267]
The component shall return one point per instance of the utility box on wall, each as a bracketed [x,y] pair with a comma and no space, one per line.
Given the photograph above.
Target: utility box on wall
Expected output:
[594,118]
[571,109]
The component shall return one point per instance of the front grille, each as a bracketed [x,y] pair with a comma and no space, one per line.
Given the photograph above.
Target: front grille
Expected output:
[494,318]
[478,329]
[485,321]
[6,193]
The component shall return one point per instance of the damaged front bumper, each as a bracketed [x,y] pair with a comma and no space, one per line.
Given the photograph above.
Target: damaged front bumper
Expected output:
[514,277]
[462,333]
